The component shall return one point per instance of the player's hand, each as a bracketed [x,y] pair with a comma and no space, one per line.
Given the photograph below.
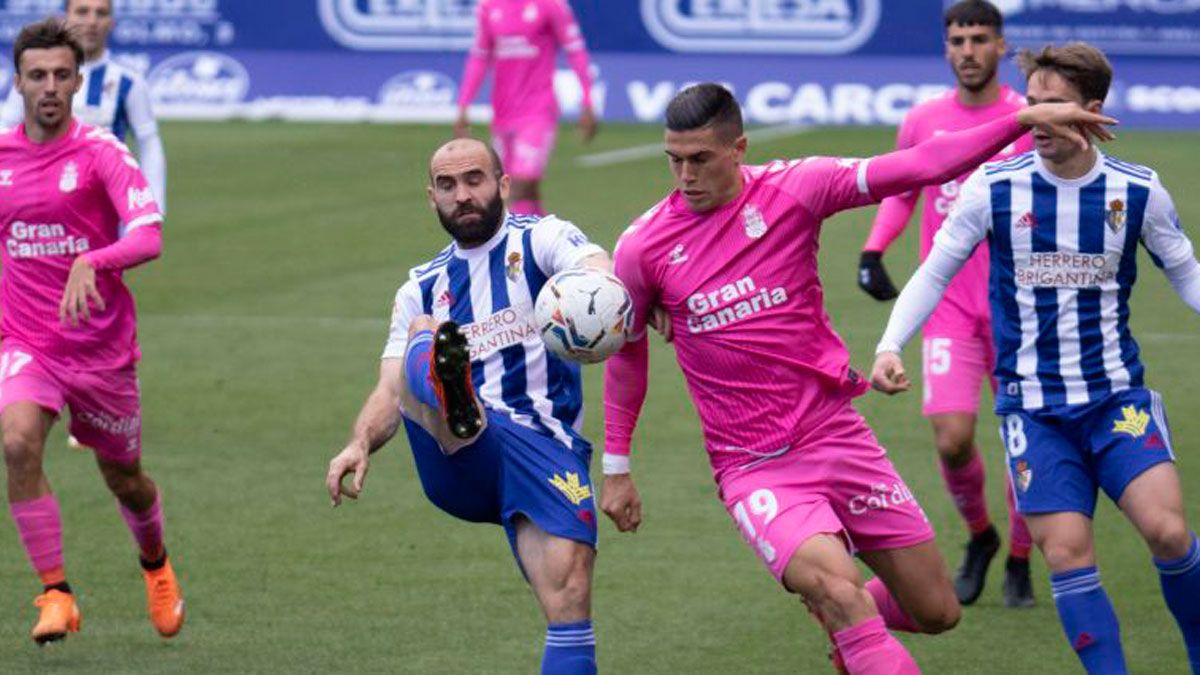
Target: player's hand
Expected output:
[462,128]
[1068,120]
[873,277]
[79,292]
[354,459]
[587,125]
[620,501]
[888,374]
[660,321]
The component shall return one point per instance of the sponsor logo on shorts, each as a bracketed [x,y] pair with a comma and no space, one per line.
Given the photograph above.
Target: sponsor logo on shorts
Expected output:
[881,498]
[1133,422]
[118,426]
[571,488]
[1024,475]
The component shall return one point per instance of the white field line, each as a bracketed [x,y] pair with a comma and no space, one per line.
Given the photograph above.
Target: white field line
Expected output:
[640,152]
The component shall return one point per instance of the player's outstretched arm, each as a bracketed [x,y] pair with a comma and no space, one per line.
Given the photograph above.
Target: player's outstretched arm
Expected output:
[948,156]
[377,423]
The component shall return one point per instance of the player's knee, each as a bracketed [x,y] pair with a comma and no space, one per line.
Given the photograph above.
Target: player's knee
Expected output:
[954,443]
[570,600]
[838,599]
[22,451]
[1067,554]
[939,617]
[127,486]
[1168,537]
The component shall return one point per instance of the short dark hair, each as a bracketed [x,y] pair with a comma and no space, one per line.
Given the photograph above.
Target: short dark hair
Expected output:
[48,33]
[1080,64]
[975,13]
[705,105]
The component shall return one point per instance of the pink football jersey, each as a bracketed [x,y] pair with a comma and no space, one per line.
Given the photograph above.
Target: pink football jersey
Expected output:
[59,200]
[521,39]
[751,332]
[964,309]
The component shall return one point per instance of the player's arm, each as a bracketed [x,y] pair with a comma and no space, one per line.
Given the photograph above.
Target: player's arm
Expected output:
[965,227]
[948,156]
[377,423]
[13,112]
[559,245]
[1169,246]
[890,220]
[570,38]
[380,415]
[626,378]
[149,144]
[478,59]
[133,200]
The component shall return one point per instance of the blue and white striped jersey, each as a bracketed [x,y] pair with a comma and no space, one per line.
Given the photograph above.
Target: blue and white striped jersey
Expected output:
[1063,264]
[490,292]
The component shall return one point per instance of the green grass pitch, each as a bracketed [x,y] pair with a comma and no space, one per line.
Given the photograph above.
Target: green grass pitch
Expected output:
[261,328]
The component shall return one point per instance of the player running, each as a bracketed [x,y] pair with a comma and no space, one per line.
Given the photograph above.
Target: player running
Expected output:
[113,96]
[730,256]
[521,38]
[958,342]
[69,326]
[1063,225]
[492,417]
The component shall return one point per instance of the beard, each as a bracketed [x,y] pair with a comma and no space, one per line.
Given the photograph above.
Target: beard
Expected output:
[986,77]
[471,234]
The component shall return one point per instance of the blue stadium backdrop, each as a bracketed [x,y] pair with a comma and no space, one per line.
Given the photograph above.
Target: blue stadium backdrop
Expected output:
[789,61]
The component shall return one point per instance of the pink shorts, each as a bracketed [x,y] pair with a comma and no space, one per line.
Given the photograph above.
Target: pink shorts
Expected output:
[954,369]
[525,150]
[105,405]
[837,481]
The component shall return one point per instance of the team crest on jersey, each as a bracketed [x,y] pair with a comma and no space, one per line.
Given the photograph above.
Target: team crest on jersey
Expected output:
[1132,422]
[1115,215]
[6,177]
[514,266]
[530,14]
[571,488]
[69,180]
[1024,475]
[753,221]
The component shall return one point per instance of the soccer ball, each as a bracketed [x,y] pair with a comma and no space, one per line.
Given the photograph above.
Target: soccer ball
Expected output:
[584,314]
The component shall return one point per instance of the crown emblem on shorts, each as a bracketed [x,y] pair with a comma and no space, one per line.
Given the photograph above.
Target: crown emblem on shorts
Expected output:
[69,180]
[753,221]
[1133,422]
[571,487]
[1024,475]
[1115,215]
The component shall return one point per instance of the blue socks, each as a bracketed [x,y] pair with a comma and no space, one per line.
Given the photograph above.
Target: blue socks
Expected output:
[416,365]
[1088,619]
[1180,581]
[570,649]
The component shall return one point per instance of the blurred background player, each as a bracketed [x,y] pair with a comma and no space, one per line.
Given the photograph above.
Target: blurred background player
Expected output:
[113,96]
[492,417]
[69,326]
[958,355]
[1064,225]
[521,39]
[731,257]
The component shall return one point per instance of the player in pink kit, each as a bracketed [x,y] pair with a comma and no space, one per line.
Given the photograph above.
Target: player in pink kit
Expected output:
[522,38]
[69,330]
[958,338]
[731,258]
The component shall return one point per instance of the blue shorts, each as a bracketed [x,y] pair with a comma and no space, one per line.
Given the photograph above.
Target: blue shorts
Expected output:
[1058,456]
[509,470]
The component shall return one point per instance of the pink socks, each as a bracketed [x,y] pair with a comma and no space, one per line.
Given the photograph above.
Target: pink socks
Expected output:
[147,529]
[40,526]
[868,649]
[966,487]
